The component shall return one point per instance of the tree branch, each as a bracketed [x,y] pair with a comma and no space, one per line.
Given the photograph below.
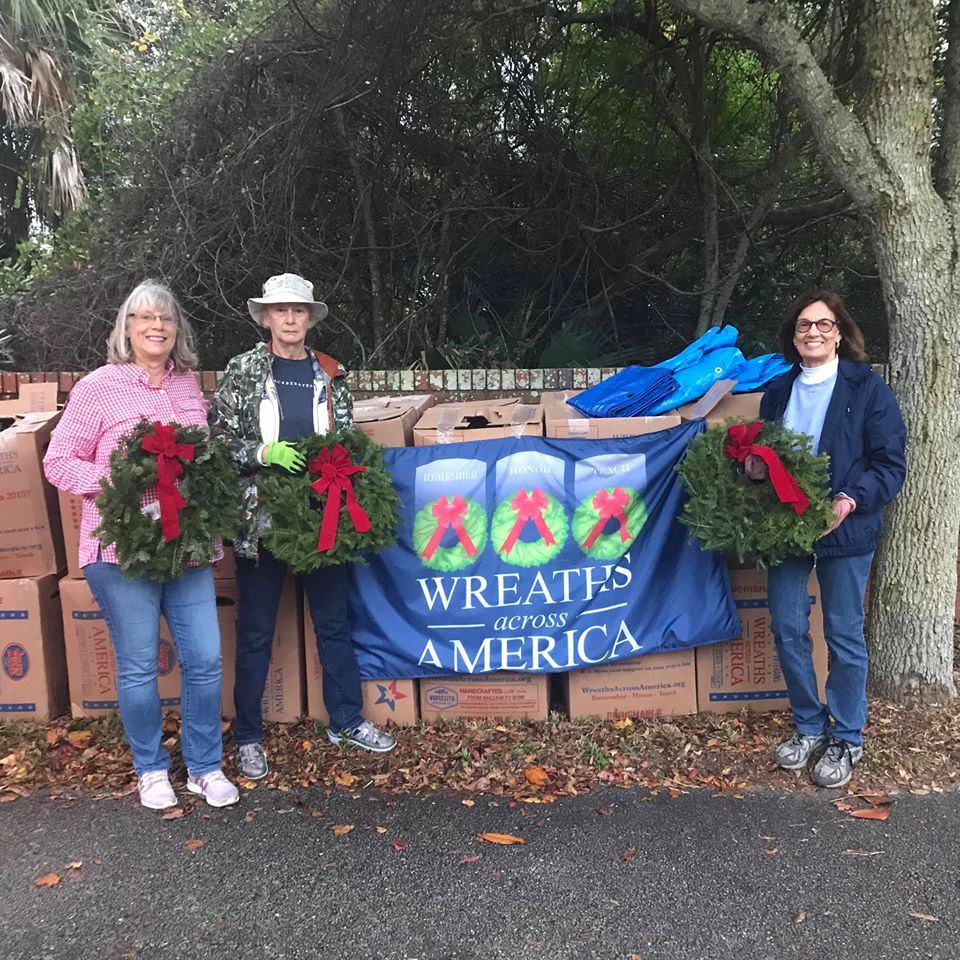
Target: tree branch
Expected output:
[842,139]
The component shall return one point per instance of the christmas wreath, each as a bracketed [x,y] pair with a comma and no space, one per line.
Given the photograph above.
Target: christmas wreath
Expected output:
[756,490]
[593,516]
[342,508]
[198,499]
[465,517]
[511,517]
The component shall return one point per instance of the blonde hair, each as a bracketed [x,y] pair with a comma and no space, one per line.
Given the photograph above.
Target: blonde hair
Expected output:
[152,294]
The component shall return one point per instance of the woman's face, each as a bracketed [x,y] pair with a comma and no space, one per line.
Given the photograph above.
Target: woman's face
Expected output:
[816,346]
[152,331]
[288,323]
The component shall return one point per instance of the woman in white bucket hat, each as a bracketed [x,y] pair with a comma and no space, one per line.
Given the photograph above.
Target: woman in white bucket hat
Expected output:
[269,397]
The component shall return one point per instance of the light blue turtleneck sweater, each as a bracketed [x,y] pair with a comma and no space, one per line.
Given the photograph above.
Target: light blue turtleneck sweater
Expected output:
[809,399]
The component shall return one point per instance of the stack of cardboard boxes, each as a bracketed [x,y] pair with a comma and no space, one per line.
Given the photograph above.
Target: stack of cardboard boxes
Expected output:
[53,628]
[33,679]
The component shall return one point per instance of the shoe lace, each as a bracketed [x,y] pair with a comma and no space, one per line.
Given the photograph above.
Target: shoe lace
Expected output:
[835,751]
[251,751]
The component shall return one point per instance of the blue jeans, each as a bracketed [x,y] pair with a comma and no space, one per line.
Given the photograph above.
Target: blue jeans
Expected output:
[259,586]
[843,581]
[132,609]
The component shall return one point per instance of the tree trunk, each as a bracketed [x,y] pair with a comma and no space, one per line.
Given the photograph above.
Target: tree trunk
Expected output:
[911,611]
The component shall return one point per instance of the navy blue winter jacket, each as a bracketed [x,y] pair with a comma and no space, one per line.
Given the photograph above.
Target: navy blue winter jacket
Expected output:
[865,437]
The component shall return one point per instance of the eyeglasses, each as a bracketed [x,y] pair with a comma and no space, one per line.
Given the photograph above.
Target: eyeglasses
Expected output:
[824,326]
[145,318]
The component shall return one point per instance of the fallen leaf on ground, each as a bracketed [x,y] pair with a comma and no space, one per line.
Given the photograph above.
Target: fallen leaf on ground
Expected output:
[8,797]
[468,802]
[316,813]
[345,779]
[193,844]
[306,746]
[537,776]
[399,845]
[771,851]
[629,853]
[470,859]
[48,880]
[382,830]
[174,813]
[800,917]
[871,813]
[504,839]
[249,816]
[342,829]
[622,724]
[79,738]
[53,736]
[925,917]
[75,864]
[604,811]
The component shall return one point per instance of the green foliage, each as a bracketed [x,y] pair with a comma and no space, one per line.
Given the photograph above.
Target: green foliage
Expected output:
[209,484]
[296,510]
[729,514]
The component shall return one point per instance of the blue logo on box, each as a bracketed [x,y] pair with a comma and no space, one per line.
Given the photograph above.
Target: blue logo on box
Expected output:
[442,698]
[16,662]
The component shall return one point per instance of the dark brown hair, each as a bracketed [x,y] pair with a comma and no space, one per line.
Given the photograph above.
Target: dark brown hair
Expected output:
[851,337]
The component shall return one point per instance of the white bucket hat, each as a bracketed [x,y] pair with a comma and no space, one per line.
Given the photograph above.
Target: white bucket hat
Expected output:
[287,288]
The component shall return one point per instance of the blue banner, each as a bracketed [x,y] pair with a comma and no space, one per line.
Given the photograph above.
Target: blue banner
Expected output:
[538,555]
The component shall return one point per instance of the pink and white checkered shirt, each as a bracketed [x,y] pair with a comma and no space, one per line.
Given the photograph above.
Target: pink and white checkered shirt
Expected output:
[103,407]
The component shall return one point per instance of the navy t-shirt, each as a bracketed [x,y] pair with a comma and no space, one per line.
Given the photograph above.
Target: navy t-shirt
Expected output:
[294,380]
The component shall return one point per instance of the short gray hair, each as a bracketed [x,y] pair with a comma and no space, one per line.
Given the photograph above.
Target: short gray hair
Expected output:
[152,293]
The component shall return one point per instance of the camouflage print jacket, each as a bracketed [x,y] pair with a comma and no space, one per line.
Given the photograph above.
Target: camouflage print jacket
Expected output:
[245,416]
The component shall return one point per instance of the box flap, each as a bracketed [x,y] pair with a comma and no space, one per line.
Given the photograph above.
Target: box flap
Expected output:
[709,400]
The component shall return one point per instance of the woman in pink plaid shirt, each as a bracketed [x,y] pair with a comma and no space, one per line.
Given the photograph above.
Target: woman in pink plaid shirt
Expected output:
[149,374]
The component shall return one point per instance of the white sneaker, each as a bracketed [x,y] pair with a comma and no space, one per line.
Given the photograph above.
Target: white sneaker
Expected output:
[155,790]
[215,788]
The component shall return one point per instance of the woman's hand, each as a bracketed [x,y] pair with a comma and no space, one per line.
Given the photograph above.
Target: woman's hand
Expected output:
[843,506]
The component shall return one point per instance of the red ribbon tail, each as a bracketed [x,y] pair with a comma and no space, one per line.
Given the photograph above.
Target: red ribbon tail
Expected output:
[361,522]
[513,536]
[331,520]
[431,548]
[595,532]
[548,538]
[464,538]
[784,485]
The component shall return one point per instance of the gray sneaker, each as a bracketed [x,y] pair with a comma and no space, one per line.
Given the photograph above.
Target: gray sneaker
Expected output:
[252,761]
[366,736]
[835,767]
[795,753]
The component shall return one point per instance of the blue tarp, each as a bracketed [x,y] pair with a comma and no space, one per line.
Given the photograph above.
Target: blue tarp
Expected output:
[630,393]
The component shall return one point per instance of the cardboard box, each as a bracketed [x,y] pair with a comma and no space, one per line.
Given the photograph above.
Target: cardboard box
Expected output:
[71,511]
[746,672]
[561,421]
[490,696]
[33,669]
[91,663]
[283,693]
[384,701]
[390,420]
[718,404]
[490,420]
[31,539]
[654,685]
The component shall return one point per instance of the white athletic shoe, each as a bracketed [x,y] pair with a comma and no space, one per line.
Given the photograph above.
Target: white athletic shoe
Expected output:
[215,788]
[155,790]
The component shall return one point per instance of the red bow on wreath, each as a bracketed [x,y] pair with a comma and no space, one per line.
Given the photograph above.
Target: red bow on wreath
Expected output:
[169,453]
[740,445]
[609,505]
[449,513]
[528,506]
[335,469]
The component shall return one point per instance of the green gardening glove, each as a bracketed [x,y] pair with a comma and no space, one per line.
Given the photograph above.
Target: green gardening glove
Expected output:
[282,453]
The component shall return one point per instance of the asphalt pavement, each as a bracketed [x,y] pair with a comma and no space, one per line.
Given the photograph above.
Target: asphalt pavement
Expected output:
[611,874]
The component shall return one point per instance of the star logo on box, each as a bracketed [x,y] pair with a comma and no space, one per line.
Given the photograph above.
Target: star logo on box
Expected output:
[389,695]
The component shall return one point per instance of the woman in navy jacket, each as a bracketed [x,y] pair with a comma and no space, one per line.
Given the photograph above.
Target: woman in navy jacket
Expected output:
[834,396]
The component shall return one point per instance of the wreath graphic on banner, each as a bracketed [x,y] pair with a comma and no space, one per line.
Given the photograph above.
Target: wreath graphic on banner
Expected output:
[198,499]
[593,515]
[756,490]
[511,516]
[342,509]
[465,517]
